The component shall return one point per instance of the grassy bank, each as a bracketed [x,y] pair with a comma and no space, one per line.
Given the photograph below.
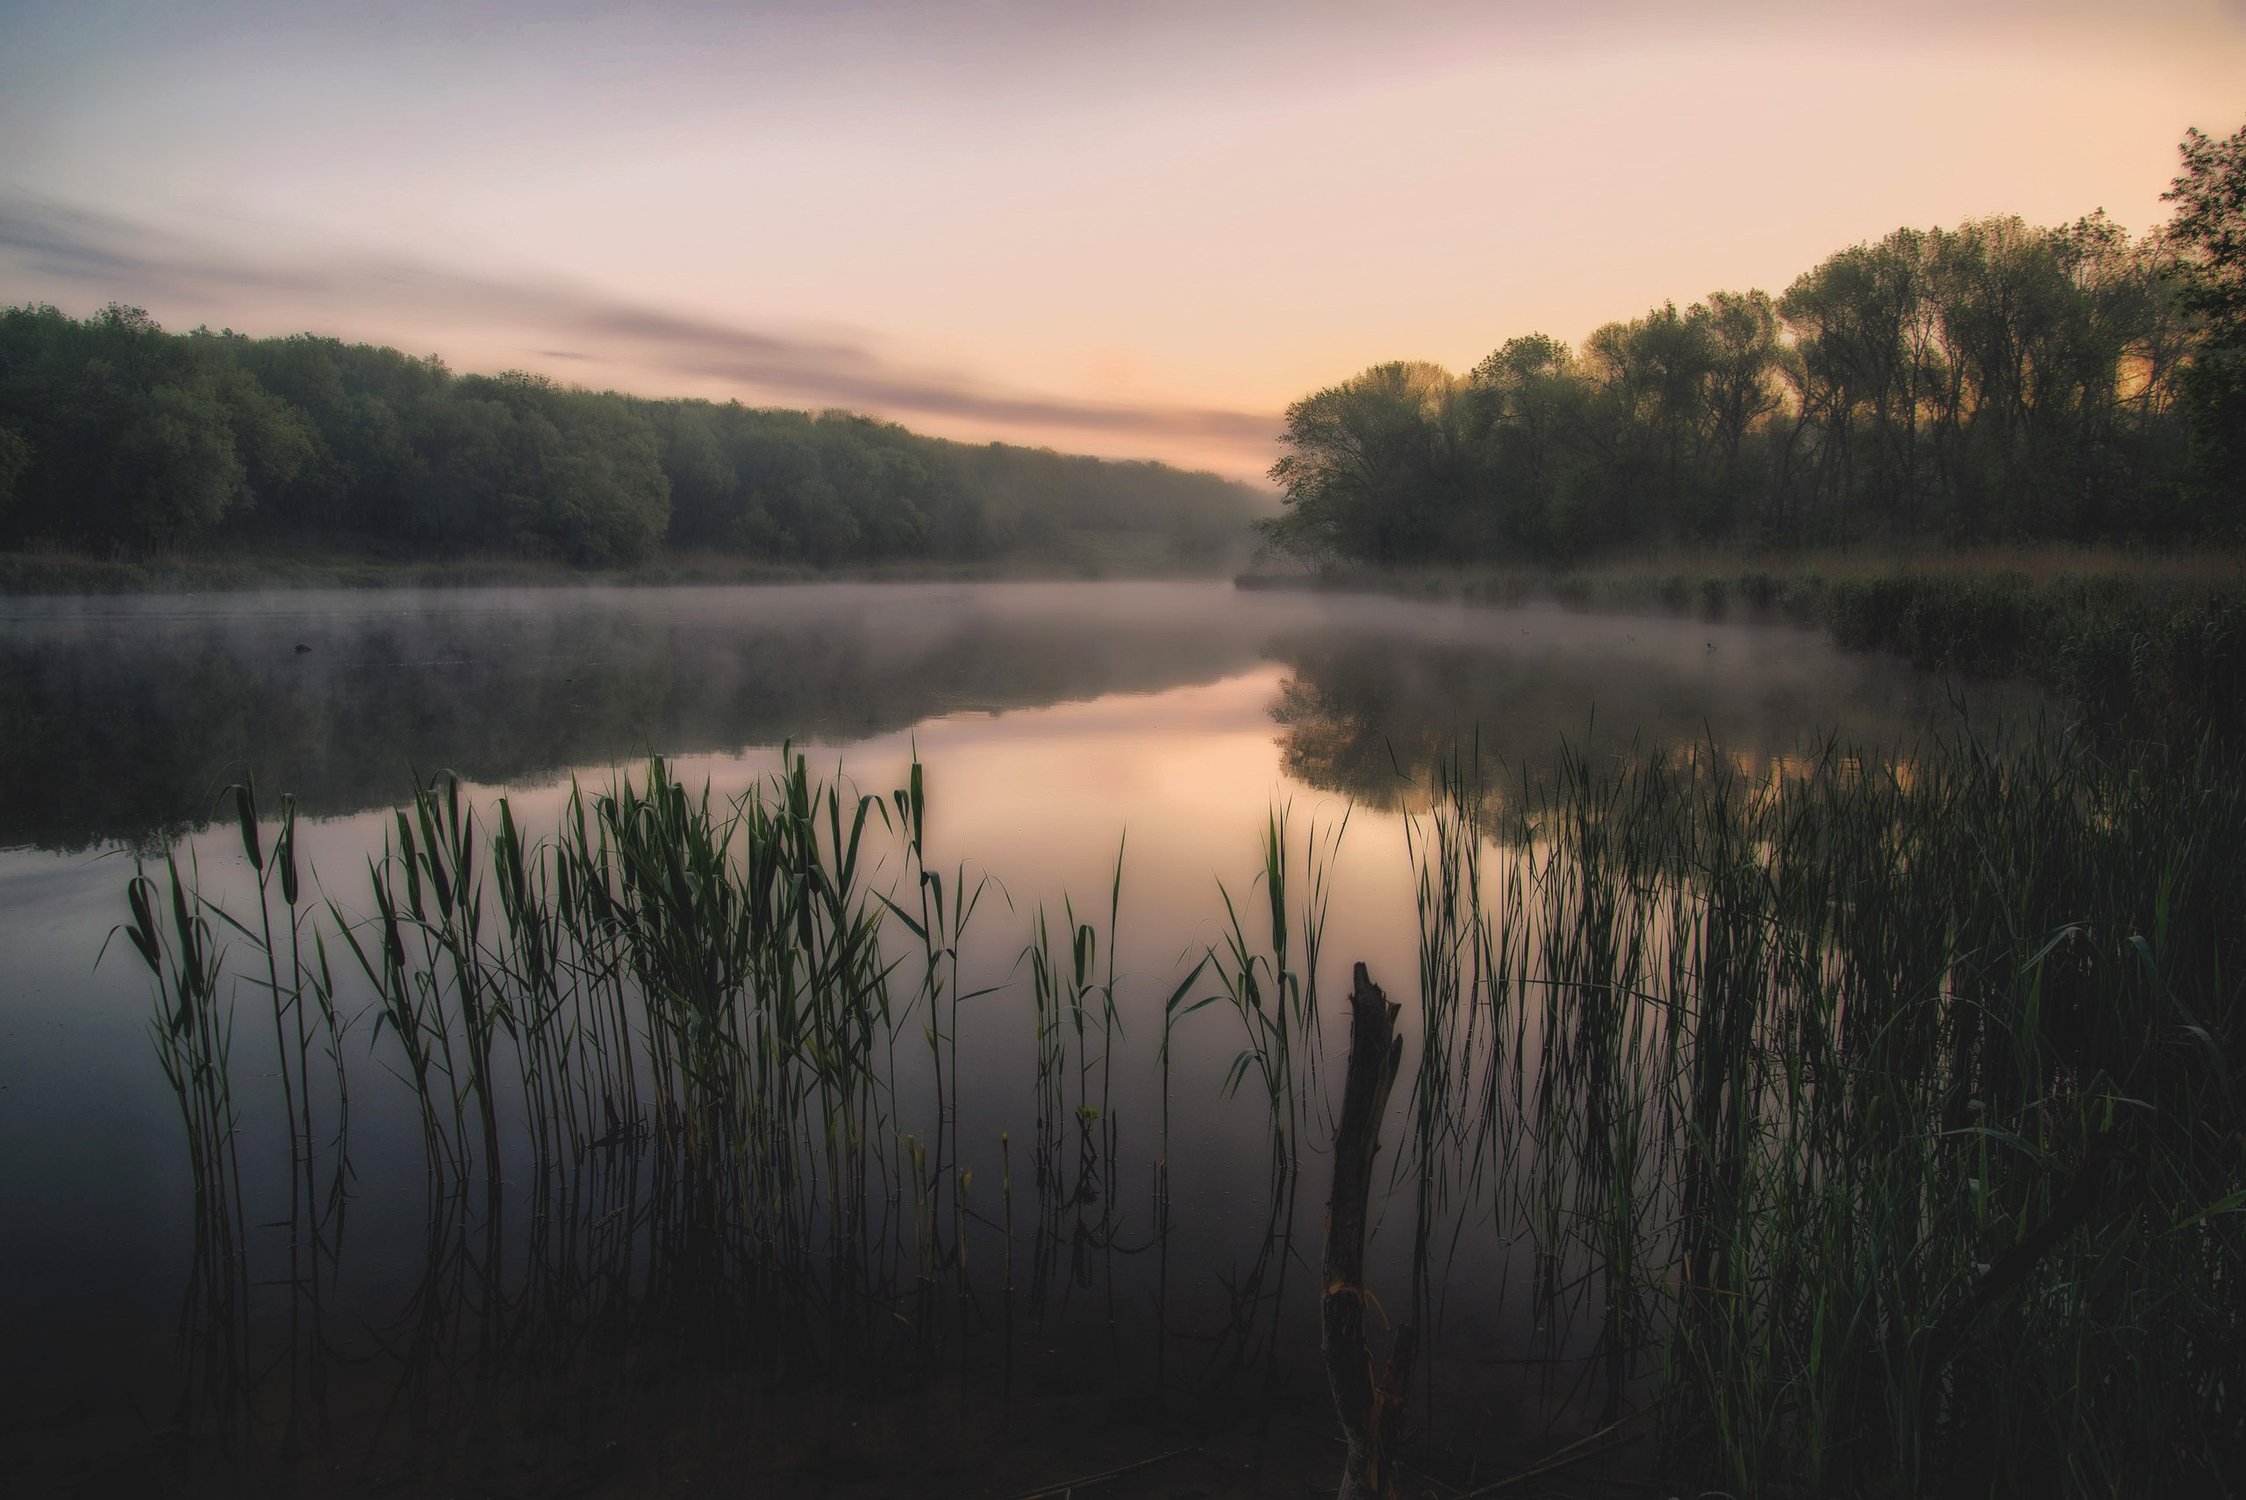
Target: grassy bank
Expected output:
[1078,554]
[2146,645]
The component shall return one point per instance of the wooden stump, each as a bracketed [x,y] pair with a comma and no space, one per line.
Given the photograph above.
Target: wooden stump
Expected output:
[1371,1406]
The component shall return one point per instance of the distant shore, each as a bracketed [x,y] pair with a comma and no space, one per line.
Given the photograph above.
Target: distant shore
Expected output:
[36,573]
[1693,578]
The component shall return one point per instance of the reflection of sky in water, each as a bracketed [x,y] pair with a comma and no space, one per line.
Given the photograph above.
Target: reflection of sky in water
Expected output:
[1054,721]
[128,716]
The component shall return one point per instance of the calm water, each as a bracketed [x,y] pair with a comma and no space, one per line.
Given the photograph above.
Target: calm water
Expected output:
[1057,722]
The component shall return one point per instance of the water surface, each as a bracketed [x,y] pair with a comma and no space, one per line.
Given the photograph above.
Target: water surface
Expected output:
[1058,723]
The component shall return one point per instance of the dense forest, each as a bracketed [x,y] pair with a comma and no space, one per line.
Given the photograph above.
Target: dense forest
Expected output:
[1993,382]
[117,438]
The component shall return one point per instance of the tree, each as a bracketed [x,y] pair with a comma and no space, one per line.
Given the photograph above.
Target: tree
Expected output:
[1372,466]
[15,458]
[1743,353]
[131,443]
[1528,396]
[1643,429]
[602,494]
[170,472]
[2210,228]
[705,492]
[571,473]
[1872,383]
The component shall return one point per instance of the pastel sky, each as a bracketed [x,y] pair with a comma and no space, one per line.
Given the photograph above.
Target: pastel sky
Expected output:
[1133,227]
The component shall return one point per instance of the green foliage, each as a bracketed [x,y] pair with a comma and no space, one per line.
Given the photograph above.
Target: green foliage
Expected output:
[572,472]
[2210,230]
[2159,662]
[1991,382]
[118,438]
[1880,1123]
[15,457]
[2210,199]
[1886,1121]
[1374,465]
[130,440]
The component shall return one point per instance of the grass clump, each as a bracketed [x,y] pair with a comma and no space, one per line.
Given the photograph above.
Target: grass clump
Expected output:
[2153,659]
[1883,1126]
[1860,1127]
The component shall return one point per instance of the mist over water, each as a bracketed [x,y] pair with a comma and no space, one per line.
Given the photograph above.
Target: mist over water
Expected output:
[129,716]
[1058,724]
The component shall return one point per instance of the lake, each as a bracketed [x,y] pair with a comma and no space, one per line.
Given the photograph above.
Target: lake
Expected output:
[1060,727]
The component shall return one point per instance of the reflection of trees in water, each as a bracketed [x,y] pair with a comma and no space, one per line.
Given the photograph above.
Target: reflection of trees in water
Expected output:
[1342,731]
[130,732]
[127,727]
[1374,717]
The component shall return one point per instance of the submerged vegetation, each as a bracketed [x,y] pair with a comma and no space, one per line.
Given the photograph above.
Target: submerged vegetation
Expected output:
[1851,1128]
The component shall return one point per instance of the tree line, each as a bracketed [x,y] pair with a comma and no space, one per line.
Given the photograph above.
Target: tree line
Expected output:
[119,438]
[1995,381]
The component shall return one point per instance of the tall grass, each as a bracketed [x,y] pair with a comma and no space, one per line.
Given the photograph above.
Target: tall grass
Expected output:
[1884,1121]
[2158,658]
[1867,1127]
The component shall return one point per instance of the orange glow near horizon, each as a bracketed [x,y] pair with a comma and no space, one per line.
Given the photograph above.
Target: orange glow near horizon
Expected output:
[1138,230]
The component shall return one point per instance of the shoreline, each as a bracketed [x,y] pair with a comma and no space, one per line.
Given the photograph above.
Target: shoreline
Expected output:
[2142,645]
[1686,580]
[36,575]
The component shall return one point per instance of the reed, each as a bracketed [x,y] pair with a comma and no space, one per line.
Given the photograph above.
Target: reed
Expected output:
[1871,1114]
[1870,1126]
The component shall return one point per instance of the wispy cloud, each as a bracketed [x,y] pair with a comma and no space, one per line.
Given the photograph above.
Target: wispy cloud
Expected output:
[47,249]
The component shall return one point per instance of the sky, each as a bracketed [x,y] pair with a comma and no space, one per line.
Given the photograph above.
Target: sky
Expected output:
[1137,228]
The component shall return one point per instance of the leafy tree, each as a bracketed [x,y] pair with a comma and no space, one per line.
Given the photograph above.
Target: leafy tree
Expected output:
[1994,380]
[705,491]
[117,436]
[1872,378]
[273,439]
[372,413]
[1371,465]
[132,443]
[15,458]
[172,472]
[2210,199]
[1526,399]
[2210,227]
[1743,351]
[572,473]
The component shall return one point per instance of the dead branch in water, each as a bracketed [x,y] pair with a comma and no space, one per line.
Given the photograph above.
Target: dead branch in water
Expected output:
[1371,1406]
